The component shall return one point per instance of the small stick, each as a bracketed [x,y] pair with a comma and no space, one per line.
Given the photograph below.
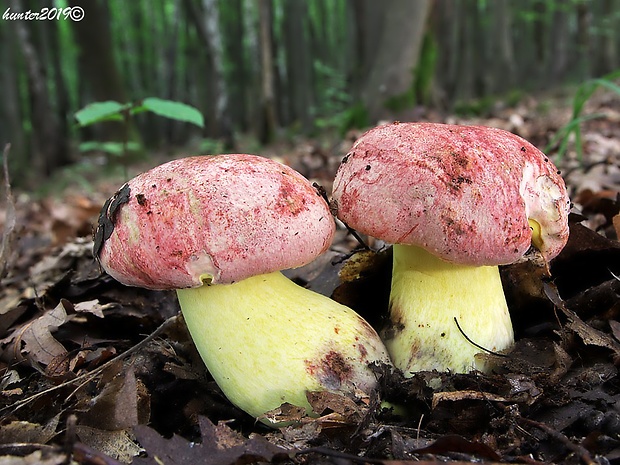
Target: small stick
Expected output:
[91,374]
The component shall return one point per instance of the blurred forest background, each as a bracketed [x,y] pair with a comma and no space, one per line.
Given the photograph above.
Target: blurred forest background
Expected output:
[265,69]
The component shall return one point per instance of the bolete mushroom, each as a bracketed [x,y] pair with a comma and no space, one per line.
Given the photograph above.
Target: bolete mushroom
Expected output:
[219,229]
[456,202]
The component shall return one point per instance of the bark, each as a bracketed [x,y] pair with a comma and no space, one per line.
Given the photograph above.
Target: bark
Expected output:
[238,78]
[99,73]
[584,43]
[606,59]
[212,28]
[11,130]
[298,71]
[560,41]
[397,54]
[502,52]
[268,98]
[368,22]
[48,151]
[207,26]
[171,53]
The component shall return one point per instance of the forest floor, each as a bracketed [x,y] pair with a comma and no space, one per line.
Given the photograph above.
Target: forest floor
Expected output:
[97,373]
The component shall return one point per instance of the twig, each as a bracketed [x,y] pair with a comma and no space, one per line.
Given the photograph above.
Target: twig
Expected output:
[581,451]
[91,374]
[497,354]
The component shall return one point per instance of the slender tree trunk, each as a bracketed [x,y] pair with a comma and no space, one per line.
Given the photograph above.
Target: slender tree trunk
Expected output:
[171,54]
[368,23]
[391,75]
[99,71]
[297,63]
[502,59]
[212,28]
[48,151]
[560,41]
[207,26]
[584,42]
[239,85]
[268,97]
[12,129]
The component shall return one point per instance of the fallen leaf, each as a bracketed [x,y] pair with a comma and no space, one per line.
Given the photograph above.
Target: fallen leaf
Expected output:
[122,404]
[178,450]
[93,307]
[588,334]
[34,339]
[27,432]
[455,443]
[119,445]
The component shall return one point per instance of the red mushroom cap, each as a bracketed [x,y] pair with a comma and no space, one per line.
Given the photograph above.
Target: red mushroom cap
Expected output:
[223,218]
[463,193]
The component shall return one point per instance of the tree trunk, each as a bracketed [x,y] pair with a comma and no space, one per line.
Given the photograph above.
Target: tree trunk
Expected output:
[12,129]
[208,28]
[560,42]
[234,29]
[391,76]
[298,70]
[48,151]
[501,47]
[99,72]
[268,98]
[368,27]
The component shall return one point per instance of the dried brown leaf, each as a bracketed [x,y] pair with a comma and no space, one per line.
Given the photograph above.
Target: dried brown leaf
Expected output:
[211,451]
[119,445]
[27,432]
[588,334]
[34,339]
[122,404]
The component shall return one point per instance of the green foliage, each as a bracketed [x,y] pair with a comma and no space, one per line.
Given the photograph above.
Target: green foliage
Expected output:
[573,127]
[99,112]
[173,110]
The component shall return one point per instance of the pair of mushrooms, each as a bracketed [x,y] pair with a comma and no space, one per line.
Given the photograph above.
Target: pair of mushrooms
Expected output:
[455,201]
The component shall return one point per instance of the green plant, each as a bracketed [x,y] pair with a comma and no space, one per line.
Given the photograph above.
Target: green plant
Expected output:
[583,94]
[114,111]
[99,112]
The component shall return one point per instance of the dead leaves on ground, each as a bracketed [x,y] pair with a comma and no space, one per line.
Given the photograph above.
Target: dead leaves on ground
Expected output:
[62,323]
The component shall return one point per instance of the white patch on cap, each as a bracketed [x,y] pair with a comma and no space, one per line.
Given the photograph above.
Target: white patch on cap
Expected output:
[202,269]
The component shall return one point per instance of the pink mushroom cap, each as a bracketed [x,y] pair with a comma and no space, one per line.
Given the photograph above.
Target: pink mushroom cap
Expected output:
[218,218]
[463,193]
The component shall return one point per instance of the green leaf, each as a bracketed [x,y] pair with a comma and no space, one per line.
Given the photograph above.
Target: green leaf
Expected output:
[100,111]
[174,110]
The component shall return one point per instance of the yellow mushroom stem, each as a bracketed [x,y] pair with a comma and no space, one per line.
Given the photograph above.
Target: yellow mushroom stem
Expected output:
[429,296]
[267,341]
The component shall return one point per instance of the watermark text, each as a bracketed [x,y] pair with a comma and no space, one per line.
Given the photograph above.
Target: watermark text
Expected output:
[70,13]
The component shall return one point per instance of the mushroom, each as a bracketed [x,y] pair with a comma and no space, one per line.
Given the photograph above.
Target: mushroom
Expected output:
[455,202]
[219,229]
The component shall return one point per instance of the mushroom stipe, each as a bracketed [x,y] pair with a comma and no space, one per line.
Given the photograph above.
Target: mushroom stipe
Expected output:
[456,202]
[219,229]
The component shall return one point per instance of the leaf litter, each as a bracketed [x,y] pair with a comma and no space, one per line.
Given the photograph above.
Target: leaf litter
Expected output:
[95,372]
